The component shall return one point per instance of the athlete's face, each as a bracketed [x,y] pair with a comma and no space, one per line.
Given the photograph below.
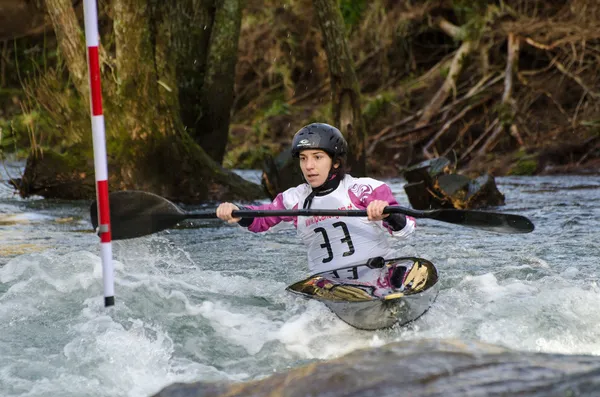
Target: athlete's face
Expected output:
[315,166]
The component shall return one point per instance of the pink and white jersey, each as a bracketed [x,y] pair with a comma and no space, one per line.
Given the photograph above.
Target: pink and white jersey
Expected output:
[335,242]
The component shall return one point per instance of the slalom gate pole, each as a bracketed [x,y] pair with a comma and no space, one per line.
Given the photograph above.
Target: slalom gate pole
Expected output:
[92,39]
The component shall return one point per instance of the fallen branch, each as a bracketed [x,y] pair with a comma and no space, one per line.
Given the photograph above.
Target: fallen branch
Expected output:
[511,66]
[409,131]
[514,131]
[449,28]
[323,86]
[512,59]
[497,131]
[579,103]
[542,46]
[459,137]
[575,78]
[449,84]
[587,154]
[414,138]
[538,90]
[387,129]
[423,80]
[255,103]
[479,139]
[449,124]
[481,86]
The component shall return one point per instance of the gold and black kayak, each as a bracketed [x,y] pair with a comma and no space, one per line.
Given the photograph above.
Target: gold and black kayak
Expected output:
[398,292]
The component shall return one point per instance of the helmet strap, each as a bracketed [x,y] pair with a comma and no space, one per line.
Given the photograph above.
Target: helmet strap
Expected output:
[332,183]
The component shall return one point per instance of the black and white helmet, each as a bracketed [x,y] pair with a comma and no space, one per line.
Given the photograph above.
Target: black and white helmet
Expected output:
[320,136]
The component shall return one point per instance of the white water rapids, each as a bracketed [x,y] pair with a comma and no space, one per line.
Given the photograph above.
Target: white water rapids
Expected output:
[208,302]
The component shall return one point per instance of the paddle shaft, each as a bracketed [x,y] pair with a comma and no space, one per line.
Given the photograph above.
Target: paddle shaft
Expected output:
[307,212]
[135,214]
[492,221]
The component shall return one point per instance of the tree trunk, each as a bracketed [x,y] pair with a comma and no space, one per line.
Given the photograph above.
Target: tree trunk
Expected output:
[345,88]
[212,130]
[71,42]
[191,26]
[148,146]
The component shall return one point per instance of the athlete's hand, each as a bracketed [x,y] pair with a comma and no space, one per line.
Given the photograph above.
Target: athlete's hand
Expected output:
[375,210]
[224,211]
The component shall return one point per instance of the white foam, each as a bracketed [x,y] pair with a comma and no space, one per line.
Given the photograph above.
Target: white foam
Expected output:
[316,333]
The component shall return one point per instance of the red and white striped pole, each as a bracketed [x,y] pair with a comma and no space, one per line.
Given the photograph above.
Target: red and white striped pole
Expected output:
[99,140]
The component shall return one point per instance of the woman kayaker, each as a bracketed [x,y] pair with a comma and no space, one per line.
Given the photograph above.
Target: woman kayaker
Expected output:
[333,242]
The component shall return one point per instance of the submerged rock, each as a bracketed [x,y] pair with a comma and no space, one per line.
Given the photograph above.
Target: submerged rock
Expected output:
[422,368]
[432,184]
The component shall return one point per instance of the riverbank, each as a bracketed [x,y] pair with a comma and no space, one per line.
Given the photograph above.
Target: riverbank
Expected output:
[491,85]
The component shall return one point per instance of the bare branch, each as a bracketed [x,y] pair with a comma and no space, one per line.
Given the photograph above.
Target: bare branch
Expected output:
[449,28]
[542,46]
[385,135]
[512,59]
[449,84]
[511,67]
[479,139]
[575,78]
[450,122]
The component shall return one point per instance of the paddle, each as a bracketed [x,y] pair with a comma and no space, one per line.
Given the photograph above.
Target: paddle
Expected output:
[136,214]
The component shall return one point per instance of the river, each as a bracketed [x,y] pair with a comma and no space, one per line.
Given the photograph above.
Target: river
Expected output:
[207,301]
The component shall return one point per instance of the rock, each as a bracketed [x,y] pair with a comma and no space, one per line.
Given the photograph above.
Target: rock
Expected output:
[427,170]
[419,197]
[280,174]
[483,192]
[422,368]
[432,184]
[51,174]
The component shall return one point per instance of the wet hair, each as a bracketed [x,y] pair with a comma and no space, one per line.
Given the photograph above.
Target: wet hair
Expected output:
[341,170]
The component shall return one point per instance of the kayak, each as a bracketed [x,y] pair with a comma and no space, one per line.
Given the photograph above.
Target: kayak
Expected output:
[398,292]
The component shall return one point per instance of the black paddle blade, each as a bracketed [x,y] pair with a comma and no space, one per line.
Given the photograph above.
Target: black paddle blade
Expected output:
[491,221]
[135,214]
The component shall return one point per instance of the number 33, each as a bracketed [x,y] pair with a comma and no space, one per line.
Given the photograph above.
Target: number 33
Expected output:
[327,245]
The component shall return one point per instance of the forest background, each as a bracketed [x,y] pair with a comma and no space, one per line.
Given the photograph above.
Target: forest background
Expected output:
[503,87]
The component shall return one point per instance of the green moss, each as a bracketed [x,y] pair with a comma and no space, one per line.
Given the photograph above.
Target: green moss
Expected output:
[352,11]
[277,108]
[13,134]
[322,114]
[527,166]
[473,17]
[444,72]
[377,106]
[246,157]
[505,113]
[64,163]
[519,154]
